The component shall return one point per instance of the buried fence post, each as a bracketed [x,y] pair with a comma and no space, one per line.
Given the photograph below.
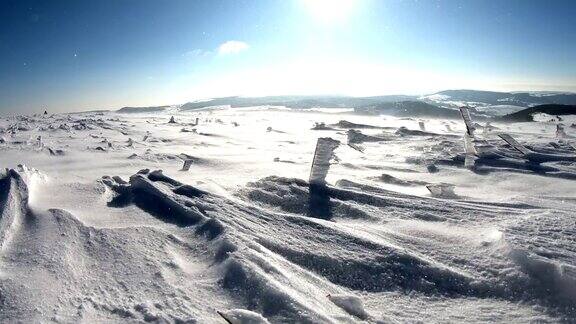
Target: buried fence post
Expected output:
[534,157]
[355,136]
[487,129]
[560,132]
[442,190]
[187,165]
[39,142]
[422,126]
[321,162]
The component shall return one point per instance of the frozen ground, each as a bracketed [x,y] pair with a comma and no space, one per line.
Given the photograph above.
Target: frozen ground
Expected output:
[88,235]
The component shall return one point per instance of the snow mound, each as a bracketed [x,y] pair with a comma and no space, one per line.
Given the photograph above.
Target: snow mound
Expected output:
[351,304]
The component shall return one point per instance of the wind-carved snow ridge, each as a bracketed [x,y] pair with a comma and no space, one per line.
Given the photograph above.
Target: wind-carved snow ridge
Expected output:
[413,267]
[13,205]
[249,269]
[274,254]
[84,273]
[258,248]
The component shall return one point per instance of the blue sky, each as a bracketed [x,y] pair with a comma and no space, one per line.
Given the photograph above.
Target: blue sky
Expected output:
[78,55]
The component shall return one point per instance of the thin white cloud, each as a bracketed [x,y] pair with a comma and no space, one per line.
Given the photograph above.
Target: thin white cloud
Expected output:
[232,47]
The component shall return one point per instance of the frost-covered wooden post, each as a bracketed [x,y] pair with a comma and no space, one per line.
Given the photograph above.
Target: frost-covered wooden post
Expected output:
[468,121]
[469,147]
[321,163]
[515,145]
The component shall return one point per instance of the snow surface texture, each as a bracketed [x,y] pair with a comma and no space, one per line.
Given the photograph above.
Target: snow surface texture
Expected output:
[92,231]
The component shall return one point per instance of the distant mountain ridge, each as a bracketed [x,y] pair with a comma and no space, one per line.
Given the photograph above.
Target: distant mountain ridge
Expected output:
[296,102]
[526,115]
[400,106]
[442,104]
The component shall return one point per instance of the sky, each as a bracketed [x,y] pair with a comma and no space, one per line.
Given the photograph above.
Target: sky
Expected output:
[70,55]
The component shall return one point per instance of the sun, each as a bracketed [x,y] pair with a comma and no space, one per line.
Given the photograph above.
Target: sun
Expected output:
[330,11]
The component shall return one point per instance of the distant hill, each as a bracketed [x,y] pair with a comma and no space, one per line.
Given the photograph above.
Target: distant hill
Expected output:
[141,109]
[401,106]
[522,99]
[408,109]
[297,102]
[526,115]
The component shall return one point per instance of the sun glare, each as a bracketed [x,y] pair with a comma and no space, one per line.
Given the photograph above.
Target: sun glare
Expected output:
[330,11]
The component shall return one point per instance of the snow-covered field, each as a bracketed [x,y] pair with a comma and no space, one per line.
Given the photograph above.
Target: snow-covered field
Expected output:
[88,235]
